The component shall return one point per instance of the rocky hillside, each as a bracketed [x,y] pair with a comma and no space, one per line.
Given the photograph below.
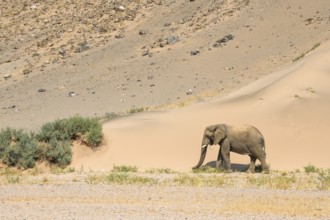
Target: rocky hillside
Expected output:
[67,57]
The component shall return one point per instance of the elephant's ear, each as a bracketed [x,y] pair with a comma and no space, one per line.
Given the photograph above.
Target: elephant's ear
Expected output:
[219,134]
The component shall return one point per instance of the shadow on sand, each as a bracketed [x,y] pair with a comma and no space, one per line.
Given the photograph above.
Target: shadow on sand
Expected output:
[236,167]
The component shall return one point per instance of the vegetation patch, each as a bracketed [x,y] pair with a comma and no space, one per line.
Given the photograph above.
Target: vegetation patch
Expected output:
[207,169]
[160,170]
[311,169]
[304,54]
[18,148]
[272,181]
[124,169]
[124,178]
[11,176]
[200,180]
[51,144]
[136,110]
[129,175]
[324,178]
[121,178]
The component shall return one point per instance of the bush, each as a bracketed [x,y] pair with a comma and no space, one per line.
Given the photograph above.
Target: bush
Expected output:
[94,135]
[59,135]
[311,169]
[52,143]
[53,131]
[88,130]
[58,153]
[124,169]
[20,149]
[5,137]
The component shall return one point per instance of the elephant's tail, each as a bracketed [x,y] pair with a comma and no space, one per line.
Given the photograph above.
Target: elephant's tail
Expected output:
[263,145]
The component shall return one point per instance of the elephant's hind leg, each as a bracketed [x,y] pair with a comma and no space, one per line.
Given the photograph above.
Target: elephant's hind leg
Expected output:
[265,168]
[261,156]
[252,167]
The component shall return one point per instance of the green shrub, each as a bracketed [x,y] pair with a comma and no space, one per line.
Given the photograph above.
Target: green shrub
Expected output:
[124,178]
[89,130]
[21,150]
[52,143]
[135,110]
[57,130]
[124,169]
[94,136]
[311,169]
[58,153]
[5,138]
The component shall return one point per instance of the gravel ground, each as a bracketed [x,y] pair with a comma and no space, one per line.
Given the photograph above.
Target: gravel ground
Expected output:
[76,199]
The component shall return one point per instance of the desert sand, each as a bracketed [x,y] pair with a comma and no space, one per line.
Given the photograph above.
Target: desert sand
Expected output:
[289,106]
[232,57]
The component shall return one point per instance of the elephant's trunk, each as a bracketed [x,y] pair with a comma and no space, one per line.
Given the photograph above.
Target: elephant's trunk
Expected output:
[201,159]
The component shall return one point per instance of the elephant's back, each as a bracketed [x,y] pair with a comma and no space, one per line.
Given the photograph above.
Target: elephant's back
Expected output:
[246,132]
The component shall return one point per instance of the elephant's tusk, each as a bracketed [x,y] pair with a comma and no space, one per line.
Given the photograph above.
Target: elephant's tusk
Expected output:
[204,146]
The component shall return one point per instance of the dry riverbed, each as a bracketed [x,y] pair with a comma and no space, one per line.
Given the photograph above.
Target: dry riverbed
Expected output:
[163,194]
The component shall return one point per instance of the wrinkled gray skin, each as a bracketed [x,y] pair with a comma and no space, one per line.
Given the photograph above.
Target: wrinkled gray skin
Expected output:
[245,139]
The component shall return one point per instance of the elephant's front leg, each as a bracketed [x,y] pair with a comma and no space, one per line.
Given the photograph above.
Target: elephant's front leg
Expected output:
[219,161]
[225,152]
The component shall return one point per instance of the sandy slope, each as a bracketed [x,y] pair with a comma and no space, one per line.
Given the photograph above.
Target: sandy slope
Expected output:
[290,107]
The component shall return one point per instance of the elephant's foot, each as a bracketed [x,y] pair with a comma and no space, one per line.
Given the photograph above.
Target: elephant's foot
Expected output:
[227,171]
[251,171]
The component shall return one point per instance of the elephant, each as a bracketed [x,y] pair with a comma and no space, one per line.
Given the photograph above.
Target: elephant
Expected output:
[243,139]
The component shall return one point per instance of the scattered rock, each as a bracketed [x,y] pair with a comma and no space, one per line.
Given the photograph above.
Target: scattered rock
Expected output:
[71,94]
[163,43]
[223,40]
[309,21]
[61,51]
[189,92]
[41,90]
[10,107]
[82,46]
[36,55]
[7,76]
[145,52]
[194,52]
[171,40]
[143,32]
[119,8]
[33,7]
[229,68]
[120,34]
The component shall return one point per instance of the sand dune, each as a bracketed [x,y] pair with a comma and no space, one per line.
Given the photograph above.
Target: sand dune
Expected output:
[290,107]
